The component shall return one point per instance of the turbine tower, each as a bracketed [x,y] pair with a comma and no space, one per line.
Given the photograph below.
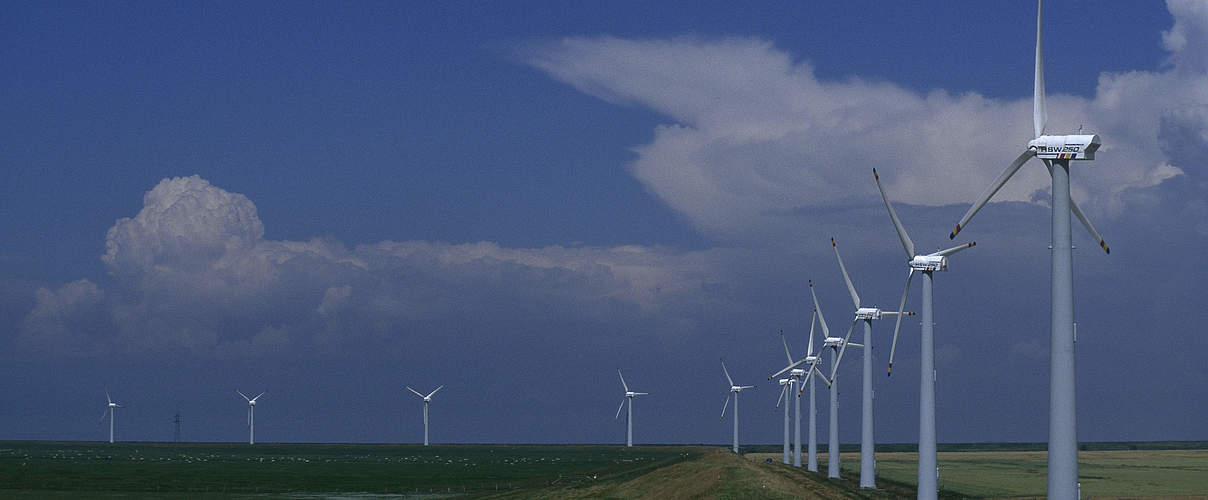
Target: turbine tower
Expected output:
[835,344]
[925,264]
[251,416]
[1055,151]
[734,389]
[111,411]
[629,395]
[427,399]
[868,465]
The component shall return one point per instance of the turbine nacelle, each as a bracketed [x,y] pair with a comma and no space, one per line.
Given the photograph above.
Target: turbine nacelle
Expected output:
[797,373]
[835,342]
[784,381]
[929,263]
[813,360]
[867,313]
[1065,147]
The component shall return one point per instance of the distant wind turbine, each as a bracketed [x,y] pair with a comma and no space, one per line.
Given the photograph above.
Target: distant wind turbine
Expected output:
[427,399]
[802,377]
[110,410]
[868,464]
[251,416]
[629,395]
[835,344]
[734,389]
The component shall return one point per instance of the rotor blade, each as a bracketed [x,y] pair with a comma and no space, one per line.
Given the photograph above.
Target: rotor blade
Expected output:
[1039,115]
[950,251]
[821,319]
[430,394]
[804,381]
[244,395]
[623,384]
[781,398]
[994,187]
[786,369]
[727,372]
[809,348]
[835,369]
[786,348]
[723,407]
[104,413]
[898,324]
[1082,217]
[258,395]
[413,391]
[619,409]
[897,223]
[855,298]
[820,374]
[641,394]
[107,398]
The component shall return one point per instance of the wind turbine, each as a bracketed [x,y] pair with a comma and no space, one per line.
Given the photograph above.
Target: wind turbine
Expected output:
[835,344]
[803,376]
[110,410]
[786,387]
[427,399]
[1055,151]
[734,389]
[925,264]
[629,395]
[251,416]
[868,463]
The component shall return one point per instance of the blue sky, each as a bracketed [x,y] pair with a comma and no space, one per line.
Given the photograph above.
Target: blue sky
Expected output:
[328,202]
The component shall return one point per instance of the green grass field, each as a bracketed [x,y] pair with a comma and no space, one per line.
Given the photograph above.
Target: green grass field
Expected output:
[222,470]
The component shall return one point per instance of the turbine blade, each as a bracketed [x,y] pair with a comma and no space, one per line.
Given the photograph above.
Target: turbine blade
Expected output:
[781,398]
[107,398]
[619,409]
[727,372]
[897,223]
[855,298]
[835,369]
[898,324]
[821,318]
[950,251]
[623,384]
[804,381]
[413,391]
[641,394]
[1090,228]
[104,414]
[989,192]
[809,348]
[1039,115]
[244,395]
[786,369]
[430,394]
[787,356]
[258,395]
[724,406]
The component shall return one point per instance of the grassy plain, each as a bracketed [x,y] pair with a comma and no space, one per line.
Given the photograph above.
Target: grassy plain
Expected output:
[311,471]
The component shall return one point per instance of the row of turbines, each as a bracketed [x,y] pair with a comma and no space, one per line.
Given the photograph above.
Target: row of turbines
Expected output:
[1056,153]
[111,412]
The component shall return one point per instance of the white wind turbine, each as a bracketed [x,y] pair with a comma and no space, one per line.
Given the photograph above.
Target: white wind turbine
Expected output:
[868,463]
[251,416]
[427,399]
[786,387]
[629,395]
[925,264]
[835,344]
[802,377]
[1055,151]
[734,389]
[111,411]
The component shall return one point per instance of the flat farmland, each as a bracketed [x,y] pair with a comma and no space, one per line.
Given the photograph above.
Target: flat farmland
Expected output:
[311,471]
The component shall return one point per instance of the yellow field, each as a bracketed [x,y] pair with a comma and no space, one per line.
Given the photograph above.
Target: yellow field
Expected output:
[998,474]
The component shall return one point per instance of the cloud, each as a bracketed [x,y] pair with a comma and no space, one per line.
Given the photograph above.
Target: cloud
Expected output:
[758,142]
[193,272]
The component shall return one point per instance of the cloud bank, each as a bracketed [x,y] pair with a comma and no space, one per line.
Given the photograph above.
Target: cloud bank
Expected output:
[756,136]
[192,271]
